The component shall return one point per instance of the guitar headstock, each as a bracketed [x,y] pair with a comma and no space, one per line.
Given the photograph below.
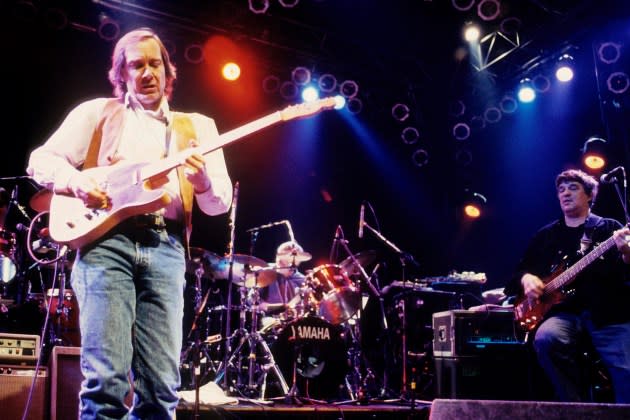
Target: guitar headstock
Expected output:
[307,109]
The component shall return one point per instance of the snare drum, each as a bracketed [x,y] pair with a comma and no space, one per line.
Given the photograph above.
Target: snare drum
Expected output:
[8,267]
[336,295]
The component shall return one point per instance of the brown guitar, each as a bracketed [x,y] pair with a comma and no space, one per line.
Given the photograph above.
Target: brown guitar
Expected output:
[130,188]
[530,312]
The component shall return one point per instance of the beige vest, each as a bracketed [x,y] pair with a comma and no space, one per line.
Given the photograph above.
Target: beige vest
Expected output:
[105,142]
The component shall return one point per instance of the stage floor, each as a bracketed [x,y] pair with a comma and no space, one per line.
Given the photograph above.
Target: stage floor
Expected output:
[278,410]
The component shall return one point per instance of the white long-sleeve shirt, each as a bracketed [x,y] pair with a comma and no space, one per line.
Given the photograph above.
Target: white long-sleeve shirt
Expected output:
[143,139]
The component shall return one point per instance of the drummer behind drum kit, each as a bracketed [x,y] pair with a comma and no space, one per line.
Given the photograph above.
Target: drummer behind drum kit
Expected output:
[305,346]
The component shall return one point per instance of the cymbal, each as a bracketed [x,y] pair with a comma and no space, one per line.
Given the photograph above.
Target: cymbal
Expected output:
[243,264]
[202,259]
[295,256]
[40,201]
[261,277]
[363,258]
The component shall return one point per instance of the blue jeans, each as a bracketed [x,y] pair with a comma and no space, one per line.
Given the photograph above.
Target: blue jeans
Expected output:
[129,288]
[557,347]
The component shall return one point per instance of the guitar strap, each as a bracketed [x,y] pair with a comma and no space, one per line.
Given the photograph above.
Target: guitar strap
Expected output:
[589,225]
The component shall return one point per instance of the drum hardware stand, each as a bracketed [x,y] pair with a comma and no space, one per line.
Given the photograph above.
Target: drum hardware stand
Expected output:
[252,339]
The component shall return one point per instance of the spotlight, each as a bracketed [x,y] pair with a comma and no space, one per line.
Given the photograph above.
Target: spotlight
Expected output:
[508,104]
[488,9]
[288,3]
[526,92]
[420,158]
[301,76]
[410,135]
[340,101]
[354,105]
[258,6]
[194,54]
[609,52]
[400,112]
[461,131]
[271,84]
[474,204]
[288,90]
[471,33]
[594,153]
[349,89]
[541,83]
[564,68]
[492,114]
[231,71]
[618,82]
[310,94]
[327,83]
[108,29]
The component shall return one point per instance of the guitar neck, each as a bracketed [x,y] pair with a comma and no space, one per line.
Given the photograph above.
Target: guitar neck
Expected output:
[569,274]
[173,161]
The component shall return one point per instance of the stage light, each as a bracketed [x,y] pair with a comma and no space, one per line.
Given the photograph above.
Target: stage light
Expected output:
[474,204]
[194,53]
[410,135]
[461,131]
[301,76]
[420,158]
[349,89]
[508,104]
[354,105]
[609,52]
[492,114]
[594,153]
[488,9]
[472,33]
[400,112]
[340,101]
[526,92]
[564,68]
[231,71]
[108,29]
[288,90]
[288,3]
[258,6]
[310,94]
[271,84]
[327,83]
[618,82]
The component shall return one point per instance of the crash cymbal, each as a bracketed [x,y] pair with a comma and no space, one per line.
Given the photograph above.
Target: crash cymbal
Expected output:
[201,259]
[243,264]
[261,277]
[40,201]
[295,256]
[364,258]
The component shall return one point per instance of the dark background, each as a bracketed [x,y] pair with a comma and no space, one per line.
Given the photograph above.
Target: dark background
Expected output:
[316,172]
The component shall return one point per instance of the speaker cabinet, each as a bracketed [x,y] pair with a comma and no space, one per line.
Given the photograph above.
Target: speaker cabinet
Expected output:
[65,382]
[15,386]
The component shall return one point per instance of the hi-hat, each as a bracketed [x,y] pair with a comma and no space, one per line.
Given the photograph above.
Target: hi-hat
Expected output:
[295,256]
[261,277]
[363,258]
[242,265]
[202,260]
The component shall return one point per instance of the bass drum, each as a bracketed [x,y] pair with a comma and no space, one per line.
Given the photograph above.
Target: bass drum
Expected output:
[319,352]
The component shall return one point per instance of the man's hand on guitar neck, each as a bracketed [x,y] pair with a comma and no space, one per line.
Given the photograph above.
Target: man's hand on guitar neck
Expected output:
[533,286]
[87,190]
[622,241]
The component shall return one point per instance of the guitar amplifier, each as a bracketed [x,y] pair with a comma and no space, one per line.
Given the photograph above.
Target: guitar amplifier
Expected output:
[469,333]
[19,349]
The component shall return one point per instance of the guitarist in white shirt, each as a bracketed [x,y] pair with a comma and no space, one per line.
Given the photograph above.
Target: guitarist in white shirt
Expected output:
[592,305]
[129,272]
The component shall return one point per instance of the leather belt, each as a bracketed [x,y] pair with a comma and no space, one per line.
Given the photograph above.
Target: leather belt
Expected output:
[154,221]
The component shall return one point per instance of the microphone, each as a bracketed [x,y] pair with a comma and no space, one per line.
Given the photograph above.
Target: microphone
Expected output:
[22,227]
[361,220]
[611,176]
[14,194]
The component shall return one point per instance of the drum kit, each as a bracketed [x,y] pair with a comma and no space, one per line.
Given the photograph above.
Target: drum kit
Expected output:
[33,269]
[303,348]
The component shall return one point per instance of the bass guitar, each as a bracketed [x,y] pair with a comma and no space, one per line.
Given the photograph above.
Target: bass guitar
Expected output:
[530,312]
[131,188]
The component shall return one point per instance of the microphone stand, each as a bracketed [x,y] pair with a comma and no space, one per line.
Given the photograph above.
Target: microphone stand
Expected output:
[228,348]
[404,258]
[623,198]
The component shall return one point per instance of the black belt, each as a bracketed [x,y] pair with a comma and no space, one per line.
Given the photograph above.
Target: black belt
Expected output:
[153,221]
